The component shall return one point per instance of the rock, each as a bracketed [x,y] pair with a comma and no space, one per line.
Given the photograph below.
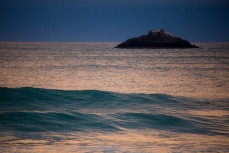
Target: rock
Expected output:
[156,39]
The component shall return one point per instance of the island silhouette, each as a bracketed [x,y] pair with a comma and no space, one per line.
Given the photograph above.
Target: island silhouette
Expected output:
[156,39]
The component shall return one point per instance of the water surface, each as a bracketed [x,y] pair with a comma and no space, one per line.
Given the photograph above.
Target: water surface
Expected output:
[89,97]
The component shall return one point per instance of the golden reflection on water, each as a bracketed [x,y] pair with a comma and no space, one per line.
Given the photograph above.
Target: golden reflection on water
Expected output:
[84,66]
[213,113]
[127,141]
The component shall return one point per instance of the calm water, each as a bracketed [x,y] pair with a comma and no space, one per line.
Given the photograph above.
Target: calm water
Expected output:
[89,97]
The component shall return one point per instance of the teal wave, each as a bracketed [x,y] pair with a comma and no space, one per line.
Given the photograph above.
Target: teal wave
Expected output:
[46,110]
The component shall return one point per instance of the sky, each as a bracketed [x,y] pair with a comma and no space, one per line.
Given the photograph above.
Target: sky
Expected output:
[112,20]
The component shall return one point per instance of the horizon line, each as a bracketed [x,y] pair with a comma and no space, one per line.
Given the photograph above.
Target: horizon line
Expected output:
[96,41]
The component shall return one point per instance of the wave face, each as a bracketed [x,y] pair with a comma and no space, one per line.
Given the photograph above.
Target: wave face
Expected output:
[43,110]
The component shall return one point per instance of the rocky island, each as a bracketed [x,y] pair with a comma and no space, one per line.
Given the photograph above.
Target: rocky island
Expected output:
[156,39]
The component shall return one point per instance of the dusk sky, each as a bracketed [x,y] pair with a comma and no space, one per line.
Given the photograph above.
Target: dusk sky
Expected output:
[112,20]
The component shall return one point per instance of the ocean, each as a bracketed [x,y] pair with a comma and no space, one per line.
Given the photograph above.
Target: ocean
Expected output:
[92,97]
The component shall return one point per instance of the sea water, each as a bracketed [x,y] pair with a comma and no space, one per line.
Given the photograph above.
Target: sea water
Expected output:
[92,97]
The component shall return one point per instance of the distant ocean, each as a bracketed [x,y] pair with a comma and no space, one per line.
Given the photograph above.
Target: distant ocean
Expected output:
[92,97]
